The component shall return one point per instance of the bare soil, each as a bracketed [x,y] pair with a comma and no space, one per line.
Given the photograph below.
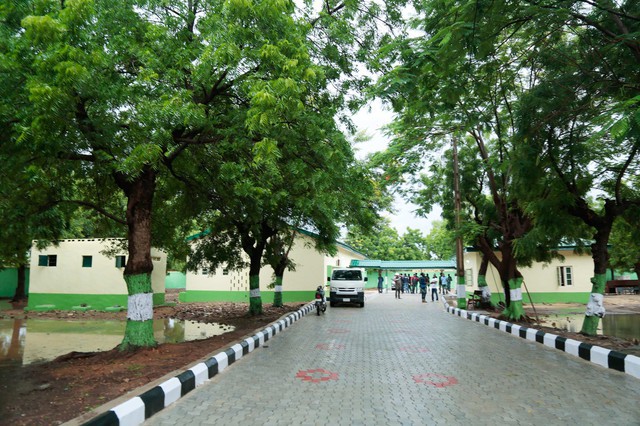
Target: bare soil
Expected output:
[54,392]
[57,391]
[614,304]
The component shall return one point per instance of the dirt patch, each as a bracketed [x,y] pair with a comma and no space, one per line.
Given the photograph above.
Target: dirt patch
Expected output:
[614,304]
[57,391]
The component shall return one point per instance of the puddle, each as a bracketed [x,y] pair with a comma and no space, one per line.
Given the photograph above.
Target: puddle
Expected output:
[27,341]
[626,326]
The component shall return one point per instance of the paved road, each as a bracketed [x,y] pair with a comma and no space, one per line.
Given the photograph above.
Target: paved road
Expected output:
[404,362]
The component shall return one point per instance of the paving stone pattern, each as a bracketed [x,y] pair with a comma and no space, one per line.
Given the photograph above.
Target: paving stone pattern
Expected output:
[403,362]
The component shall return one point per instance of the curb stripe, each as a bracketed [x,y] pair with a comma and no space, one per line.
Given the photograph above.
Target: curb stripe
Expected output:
[187,381]
[137,409]
[625,363]
[153,400]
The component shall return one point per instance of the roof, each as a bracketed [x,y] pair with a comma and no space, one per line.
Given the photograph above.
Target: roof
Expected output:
[301,231]
[404,264]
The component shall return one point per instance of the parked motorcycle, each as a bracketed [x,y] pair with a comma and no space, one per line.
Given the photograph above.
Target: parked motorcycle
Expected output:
[321,300]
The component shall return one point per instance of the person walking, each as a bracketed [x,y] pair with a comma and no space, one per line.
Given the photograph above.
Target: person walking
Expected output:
[423,287]
[434,288]
[449,279]
[442,282]
[414,282]
[380,282]
[397,284]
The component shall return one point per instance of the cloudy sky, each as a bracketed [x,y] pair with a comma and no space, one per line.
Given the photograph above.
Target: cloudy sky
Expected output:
[371,122]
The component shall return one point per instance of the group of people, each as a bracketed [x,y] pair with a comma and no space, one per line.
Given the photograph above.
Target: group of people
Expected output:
[403,283]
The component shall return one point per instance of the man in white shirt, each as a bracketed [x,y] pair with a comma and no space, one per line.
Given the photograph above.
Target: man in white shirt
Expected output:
[434,288]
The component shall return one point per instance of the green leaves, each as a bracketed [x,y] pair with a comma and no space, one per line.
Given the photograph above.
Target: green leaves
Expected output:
[42,30]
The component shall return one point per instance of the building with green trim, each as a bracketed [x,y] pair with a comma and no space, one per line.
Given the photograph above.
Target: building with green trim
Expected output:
[388,268]
[76,275]
[566,280]
[311,270]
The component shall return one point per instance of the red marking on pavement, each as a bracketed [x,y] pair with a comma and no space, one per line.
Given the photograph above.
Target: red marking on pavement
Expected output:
[316,376]
[329,346]
[338,330]
[440,382]
[414,349]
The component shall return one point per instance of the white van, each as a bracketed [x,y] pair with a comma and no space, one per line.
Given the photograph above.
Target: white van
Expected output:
[347,286]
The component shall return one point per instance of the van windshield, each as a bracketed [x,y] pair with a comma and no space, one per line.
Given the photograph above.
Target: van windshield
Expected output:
[354,275]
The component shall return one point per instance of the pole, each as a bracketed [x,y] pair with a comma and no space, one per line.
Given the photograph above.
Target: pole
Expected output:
[461,290]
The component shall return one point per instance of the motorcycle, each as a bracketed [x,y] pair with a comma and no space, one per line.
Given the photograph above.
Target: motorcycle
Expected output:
[321,301]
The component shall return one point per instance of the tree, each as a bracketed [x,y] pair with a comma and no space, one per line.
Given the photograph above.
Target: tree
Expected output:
[625,251]
[455,96]
[441,240]
[381,242]
[113,110]
[513,75]
[578,123]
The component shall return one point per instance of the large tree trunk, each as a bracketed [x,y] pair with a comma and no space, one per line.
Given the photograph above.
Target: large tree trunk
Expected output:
[137,272]
[20,293]
[255,300]
[482,284]
[279,273]
[595,307]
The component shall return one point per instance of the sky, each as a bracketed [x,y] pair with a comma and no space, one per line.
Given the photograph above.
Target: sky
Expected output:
[371,121]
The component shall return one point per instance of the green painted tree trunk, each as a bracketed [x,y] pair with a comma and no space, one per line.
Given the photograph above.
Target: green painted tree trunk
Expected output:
[486,292]
[139,329]
[137,272]
[595,307]
[461,291]
[515,310]
[255,300]
[277,295]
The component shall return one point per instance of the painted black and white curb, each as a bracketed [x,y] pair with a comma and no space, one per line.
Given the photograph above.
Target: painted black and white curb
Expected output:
[629,364]
[137,409]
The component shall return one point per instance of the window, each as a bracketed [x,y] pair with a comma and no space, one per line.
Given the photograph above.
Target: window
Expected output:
[205,271]
[468,277]
[121,261]
[565,275]
[47,260]
[87,261]
[347,275]
[225,272]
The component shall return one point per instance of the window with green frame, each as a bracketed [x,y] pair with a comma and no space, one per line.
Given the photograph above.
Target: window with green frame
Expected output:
[121,261]
[47,260]
[87,261]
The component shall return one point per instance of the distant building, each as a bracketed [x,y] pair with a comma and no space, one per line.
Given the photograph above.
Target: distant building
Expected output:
[312,269]
[560,281]
[76,275]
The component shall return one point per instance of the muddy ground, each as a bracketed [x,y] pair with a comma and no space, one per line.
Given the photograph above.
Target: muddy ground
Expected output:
[54,392]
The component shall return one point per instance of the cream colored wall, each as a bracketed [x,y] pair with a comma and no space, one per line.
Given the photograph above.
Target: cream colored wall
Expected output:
[342,259]
[540,278]
[310,271]
[69,277]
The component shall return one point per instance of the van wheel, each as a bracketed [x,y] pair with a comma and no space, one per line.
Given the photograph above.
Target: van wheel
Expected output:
[332,304]
[362,305]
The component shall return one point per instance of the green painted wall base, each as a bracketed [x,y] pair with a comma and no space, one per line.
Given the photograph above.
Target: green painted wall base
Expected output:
[67,302]
[9,282]
[175,279]
[546,297]
[243,296]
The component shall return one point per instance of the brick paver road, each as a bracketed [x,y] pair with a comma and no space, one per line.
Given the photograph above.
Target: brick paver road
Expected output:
[404,362]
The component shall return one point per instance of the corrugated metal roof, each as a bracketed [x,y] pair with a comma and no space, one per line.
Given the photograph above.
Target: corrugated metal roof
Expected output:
[404,264]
